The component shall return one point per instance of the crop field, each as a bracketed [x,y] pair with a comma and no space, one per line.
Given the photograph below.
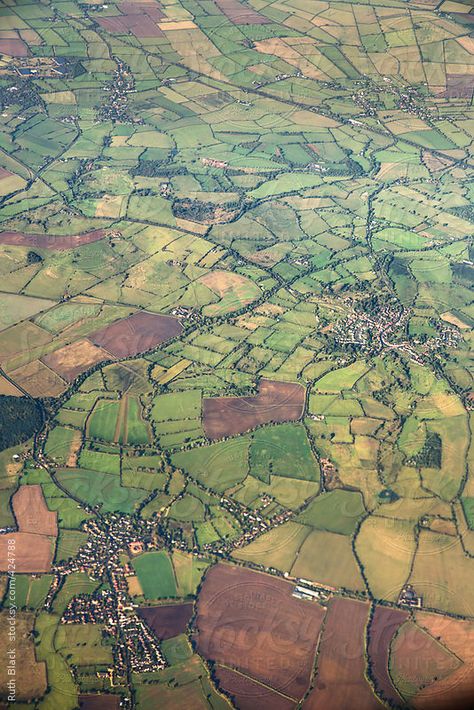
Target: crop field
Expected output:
[236,261]
[71,360]
[32,684]
[99,702]
[271,622]
[31,591]
[31,513]
[138,333]
[275,402]
[248,694]
[383,627]
[168,620]
[33,545]
[433,660]
[155,573]
[337,511]
[101,489]
[456,637]
[340,677]
[50,241]
[327,558]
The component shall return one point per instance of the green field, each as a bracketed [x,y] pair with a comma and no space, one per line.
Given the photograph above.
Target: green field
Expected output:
[218,466]
[338,512]
[102,489]
[282,450]
[103,419]
[155,572]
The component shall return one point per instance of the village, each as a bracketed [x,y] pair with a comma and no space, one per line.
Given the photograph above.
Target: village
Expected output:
[369,332]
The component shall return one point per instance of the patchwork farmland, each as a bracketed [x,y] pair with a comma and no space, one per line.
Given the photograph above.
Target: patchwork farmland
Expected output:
[236,383]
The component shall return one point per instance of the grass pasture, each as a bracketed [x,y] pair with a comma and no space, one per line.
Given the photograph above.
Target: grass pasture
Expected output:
[100,489]
[218,466]
[338,511]
[155,573]
[385,549]
[277,548]
[282,450]
[327,558]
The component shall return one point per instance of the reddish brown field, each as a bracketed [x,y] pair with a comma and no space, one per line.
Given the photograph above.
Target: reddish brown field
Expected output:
[4,173]
[71,360]
[32,553]
[168,620]
[140,25]
[137,17]
[31,512]
[385,623]
[275,402]
[151,8]
[99,702]
[459,86]
[457,690]
[417,659]
[251,622]
[340,681]
[249,695]
[140,332]
[49,241]
[32,547]
[13,47]
[241,14]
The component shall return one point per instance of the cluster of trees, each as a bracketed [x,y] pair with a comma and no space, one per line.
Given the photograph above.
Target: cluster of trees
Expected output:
[194,210]
[158,168]
[20,417]
[430,454]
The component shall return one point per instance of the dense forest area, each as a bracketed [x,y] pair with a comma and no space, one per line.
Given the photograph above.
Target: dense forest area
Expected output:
[20,417]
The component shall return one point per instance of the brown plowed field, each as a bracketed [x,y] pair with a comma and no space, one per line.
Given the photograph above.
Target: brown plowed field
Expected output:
[32,553]
[136,334]
[38,380]
[31,512]
[168,620]
[456,691]
[137,17]
[13,47]
[340,681]
[148,7]
[241,14]
[275,402]
[251,622]
[140,25]
[418,660]
[71,360]
[385,623]
[459,86]
[49,241]
[249,695]
[99,702]
[32,547]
